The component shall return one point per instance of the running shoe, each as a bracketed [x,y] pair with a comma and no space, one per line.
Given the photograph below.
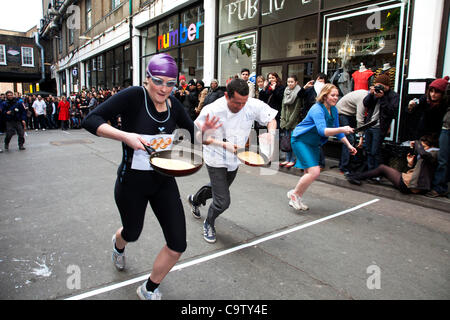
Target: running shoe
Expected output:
[194,209]
[118,258]
[209,232]
[148,295]
[296,201]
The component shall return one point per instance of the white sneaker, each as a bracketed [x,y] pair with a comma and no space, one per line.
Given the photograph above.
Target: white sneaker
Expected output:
[148,295]
[296,201]
[118,259]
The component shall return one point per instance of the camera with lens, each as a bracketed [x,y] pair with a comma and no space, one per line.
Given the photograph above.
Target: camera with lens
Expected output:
[13,111]
[379,88]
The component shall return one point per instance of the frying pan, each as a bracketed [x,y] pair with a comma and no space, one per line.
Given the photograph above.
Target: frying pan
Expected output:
[266,159]
[366,126]
[183,155]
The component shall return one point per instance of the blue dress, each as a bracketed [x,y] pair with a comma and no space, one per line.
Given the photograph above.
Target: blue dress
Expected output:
[309,135]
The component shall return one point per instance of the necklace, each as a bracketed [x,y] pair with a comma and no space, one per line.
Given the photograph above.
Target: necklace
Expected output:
[148,112]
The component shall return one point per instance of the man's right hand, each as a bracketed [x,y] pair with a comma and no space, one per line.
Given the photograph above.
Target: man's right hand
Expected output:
[360,143]
[230,147]
[411,105]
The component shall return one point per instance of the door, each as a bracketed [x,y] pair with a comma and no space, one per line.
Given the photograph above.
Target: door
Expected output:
[302,69]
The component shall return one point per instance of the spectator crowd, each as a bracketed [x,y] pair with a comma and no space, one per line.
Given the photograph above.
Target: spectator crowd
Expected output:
[426,163]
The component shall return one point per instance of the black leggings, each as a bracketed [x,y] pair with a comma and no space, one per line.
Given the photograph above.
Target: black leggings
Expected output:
[134,189]
[393,175]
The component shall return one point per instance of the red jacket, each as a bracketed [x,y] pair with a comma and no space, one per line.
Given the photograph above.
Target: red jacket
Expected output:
[63,107]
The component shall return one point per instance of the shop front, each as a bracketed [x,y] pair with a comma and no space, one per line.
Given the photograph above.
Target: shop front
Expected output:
[267,36]
[180,34]
[352,41]
[361,43]
[109,69]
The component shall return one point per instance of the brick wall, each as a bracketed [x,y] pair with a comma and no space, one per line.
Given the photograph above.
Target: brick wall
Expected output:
[14,70]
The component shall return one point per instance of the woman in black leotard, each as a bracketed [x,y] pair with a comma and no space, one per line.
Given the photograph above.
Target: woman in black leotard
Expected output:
[148,114]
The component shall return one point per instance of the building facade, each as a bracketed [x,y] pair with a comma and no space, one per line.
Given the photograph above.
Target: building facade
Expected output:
[23,62]
[350,40]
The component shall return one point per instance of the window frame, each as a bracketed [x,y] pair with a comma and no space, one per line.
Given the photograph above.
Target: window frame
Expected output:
[70,36]
[88,14]
[23,56]
[3,48]
[115,4]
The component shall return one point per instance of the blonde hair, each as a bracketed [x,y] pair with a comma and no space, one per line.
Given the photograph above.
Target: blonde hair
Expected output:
[325,92]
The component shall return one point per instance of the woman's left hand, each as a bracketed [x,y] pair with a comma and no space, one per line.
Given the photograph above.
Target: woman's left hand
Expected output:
[210,124]
[208,127]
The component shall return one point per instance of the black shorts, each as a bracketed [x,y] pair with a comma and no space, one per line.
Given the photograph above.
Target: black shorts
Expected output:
[134,189]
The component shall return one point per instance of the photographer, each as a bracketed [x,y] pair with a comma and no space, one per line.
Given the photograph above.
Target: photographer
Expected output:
[381,104]
[16,117]
[422,163]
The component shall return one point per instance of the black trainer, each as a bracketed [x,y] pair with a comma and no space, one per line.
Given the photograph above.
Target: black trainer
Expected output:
[22,148]
[194,209]
[352,179]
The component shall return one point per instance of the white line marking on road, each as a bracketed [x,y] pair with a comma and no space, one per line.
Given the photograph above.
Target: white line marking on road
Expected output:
[221,253]
[65,132]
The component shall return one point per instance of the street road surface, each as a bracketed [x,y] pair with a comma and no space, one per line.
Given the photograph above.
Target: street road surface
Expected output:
[57,217]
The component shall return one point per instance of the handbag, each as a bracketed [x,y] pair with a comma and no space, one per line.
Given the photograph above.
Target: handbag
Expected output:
[285,142]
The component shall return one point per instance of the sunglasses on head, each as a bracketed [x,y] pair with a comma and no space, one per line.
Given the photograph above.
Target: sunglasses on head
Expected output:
[159,82]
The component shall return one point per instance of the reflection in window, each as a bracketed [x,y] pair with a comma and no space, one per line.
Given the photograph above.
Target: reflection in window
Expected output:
[27,57]
[275,68]
[237,15]
[303,71]
[169,34]
[115,4]
[87,79]
[235,53]
[290,39]
[274,11]
[88,14]
[192,62]
[149,40]
[329,4]
[100,72]
[354,44]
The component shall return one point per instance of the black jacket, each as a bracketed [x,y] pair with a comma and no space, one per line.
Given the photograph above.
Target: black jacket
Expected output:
[274,98]
[308,98]
[388,109]
[213,96]
[189,101]
[18,112]
[430,121]
[423,171]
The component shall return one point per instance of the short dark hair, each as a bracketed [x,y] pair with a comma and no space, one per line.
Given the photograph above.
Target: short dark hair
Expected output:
[9,91]
[293,76]
[323,76]
[244,70]
[237,85]
[430,140]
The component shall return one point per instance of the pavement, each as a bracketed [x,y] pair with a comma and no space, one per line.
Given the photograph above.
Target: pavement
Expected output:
[334,176]
[57,216]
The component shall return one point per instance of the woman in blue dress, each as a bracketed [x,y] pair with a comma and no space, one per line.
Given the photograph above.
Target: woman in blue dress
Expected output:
[321,122]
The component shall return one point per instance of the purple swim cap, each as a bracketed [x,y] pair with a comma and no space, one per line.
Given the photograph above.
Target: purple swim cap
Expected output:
[162,65]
